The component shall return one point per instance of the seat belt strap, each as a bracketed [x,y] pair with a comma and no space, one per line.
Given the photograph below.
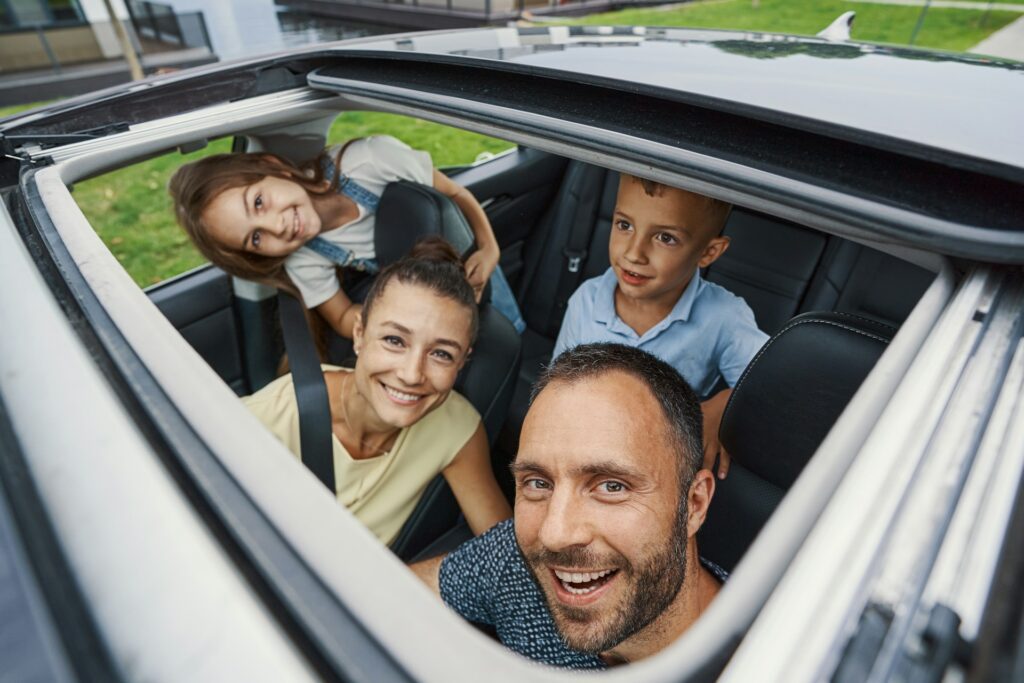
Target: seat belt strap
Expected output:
[581,232]
[315,430]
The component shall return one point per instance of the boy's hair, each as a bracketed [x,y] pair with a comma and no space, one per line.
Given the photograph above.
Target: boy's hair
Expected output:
[717,210]
[194,185]
[434,264]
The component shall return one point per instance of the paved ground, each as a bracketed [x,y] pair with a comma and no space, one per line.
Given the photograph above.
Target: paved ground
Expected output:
[44,84]
[1007,42]
[952,4]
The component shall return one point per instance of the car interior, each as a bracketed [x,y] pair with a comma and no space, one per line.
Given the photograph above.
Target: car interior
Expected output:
[830,305]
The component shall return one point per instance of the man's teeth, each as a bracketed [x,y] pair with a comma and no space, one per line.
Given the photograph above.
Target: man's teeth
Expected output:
[401,396]
[581,577]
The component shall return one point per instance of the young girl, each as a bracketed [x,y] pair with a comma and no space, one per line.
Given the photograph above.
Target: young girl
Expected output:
[260,217]
[396,420]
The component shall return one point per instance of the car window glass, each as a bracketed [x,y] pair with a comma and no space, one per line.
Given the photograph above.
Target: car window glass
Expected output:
[448,146]
[131,211]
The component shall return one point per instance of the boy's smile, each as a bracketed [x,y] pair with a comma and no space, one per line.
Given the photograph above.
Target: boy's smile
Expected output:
[658,242]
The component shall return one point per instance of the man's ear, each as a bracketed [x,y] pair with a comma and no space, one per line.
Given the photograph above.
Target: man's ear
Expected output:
[714,250]
[702,490]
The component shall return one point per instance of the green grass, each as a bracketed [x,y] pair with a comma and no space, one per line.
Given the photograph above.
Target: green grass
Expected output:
[944,29]
[131,210]
[447,146]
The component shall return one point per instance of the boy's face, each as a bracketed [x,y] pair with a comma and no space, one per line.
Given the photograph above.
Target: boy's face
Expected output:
[658,242]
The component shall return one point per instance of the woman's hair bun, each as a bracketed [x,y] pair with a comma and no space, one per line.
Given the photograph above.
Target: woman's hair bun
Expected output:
[435,248]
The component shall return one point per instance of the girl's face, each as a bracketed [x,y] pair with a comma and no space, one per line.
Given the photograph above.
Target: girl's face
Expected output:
[272,217]
[409,352]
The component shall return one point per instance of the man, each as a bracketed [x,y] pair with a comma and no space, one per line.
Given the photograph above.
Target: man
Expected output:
[601,565]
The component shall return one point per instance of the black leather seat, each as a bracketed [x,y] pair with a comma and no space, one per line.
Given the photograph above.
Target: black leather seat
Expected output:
[407,213]
[855,279]
[780,411]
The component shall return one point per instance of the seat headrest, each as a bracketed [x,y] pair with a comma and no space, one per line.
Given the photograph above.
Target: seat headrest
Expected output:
[794,390]
[410,211]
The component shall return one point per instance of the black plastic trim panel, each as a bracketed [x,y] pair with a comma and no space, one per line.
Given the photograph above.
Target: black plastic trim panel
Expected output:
[334,642]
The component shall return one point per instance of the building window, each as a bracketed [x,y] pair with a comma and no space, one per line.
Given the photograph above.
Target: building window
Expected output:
[27,14]
[64,10]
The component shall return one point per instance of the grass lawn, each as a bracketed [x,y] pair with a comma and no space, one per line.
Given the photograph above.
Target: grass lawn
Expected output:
[944,29]
[131,210]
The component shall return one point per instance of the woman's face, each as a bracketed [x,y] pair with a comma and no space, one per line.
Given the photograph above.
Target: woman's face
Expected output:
[272,217]
[409,352]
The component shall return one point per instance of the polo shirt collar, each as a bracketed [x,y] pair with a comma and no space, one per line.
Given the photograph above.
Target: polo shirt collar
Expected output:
[604,311]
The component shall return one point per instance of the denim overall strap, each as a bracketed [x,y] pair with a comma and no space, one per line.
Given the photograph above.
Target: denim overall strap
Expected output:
[341,256]
[350,188]
[336,253]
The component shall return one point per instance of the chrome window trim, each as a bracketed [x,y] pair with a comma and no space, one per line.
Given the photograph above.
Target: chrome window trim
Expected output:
[795,636]
[966,565]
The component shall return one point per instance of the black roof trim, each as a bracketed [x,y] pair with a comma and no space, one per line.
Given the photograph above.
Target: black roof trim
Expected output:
[967,195]
[518,70]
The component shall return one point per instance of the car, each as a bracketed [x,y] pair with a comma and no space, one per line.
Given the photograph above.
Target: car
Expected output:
[152,530]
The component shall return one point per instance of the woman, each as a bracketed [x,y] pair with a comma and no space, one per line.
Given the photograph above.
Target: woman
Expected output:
[397,422]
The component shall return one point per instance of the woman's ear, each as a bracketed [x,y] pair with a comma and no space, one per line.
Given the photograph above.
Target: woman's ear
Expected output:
[357,333]
[465,357]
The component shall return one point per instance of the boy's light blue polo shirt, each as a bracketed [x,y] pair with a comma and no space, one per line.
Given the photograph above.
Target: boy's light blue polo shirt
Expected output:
[709,334]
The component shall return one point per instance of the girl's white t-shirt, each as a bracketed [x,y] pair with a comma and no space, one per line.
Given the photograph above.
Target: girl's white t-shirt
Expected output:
[373,162]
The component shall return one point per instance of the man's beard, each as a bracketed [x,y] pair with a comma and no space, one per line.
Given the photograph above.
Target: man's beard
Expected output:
[651,588]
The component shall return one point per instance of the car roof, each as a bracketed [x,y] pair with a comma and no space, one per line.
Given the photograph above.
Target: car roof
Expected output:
[962,103]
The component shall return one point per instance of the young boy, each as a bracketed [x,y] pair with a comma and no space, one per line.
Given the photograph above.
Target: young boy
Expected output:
[654,298]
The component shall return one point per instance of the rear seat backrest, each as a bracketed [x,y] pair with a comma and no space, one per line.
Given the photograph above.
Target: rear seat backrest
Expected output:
[770,263]
[865,282]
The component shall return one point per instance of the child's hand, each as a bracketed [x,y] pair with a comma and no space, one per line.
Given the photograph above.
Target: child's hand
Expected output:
[479,266]
[712,410]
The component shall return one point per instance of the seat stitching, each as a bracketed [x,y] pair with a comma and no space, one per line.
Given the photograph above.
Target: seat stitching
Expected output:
[787,328]
[865,319]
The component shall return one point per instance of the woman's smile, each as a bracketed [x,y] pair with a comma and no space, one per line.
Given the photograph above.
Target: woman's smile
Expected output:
[401,397]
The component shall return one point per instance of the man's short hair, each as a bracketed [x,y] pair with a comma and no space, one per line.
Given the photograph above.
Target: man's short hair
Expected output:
[679,404]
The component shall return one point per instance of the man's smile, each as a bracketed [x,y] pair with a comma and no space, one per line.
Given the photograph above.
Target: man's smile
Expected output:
[578,588]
